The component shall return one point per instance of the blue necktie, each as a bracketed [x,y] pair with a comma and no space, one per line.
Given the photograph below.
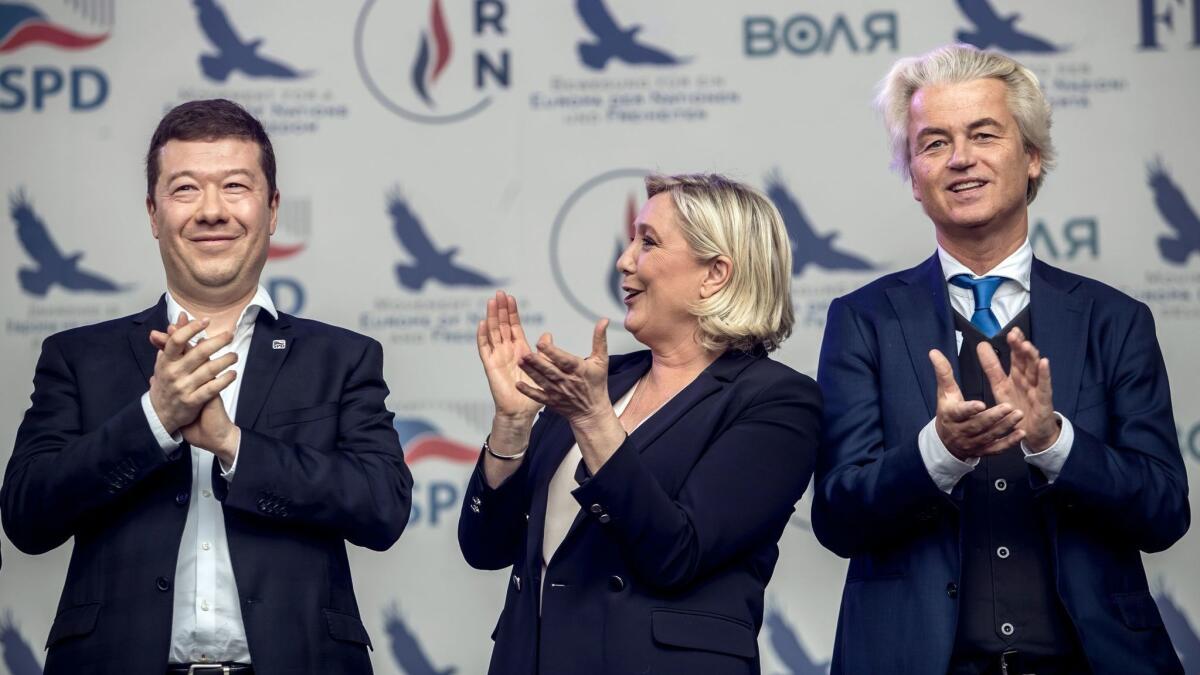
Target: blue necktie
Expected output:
[983,289]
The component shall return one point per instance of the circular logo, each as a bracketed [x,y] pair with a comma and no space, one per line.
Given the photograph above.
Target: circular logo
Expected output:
[428,62]
[591,230]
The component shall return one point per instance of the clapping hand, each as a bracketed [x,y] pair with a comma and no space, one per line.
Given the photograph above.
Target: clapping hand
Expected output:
[1026,387]
[969,428]
[574,387]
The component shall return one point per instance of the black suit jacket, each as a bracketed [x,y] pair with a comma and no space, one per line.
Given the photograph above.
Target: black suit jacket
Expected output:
[319,464]
[663,570]
[1123,488]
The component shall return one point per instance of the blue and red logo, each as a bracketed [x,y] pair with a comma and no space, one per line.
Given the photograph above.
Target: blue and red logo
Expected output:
[421,440]
[440,87]
[22,25]
[427,68]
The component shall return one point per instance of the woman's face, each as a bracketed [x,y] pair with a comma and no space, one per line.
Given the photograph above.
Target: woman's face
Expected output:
[661,277]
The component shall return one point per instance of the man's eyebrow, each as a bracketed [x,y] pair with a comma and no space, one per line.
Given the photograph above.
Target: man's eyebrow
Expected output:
[195,174]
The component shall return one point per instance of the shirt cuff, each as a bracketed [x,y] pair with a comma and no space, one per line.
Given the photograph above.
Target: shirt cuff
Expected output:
[227,474]
[168,442]
[1051,460]
[944,468]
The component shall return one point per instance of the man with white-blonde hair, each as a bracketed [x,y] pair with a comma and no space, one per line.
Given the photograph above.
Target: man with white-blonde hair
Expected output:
[993,517]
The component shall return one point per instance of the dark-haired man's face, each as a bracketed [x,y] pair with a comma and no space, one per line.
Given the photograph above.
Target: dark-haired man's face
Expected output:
[213,217]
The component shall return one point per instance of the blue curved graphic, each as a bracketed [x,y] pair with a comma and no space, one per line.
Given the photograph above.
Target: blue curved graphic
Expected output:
[418,72]
[993,30]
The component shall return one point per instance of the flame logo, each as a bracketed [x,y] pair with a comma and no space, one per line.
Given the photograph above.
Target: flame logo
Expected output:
[424,73]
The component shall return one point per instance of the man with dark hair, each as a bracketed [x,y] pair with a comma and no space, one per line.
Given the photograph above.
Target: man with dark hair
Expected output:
[994,518]
[210,455]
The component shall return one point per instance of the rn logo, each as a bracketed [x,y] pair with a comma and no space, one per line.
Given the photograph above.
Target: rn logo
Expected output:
[428,262]
[233,53]
[1178,213]
[1077,238]
[22,25]
[18,656]
[1156,14]
[808,247]
[444,84]
[422,441]
[611,41]
[1000,32]
[597,216]
[806,34]
[406,649]
[51,267]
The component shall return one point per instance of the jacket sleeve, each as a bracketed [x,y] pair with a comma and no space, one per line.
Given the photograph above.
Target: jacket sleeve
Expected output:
[360,489]
[59,476]
[492,525]
[1134,480]
[868,495]
[739,495]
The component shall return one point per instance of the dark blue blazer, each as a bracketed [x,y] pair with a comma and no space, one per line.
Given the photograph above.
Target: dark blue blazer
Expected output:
[1123,489]
[663,570]
[319,464]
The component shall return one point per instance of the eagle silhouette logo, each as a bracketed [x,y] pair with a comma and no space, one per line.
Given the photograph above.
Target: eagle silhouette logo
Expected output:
[614,42]
[993,30]
[428,262]
[233,53]
[52,267]
[809,248]
[18,656]
[786,643]
[1178,213]
[407,651]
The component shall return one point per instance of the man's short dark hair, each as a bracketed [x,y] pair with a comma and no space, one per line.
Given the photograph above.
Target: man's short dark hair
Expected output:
[209,120]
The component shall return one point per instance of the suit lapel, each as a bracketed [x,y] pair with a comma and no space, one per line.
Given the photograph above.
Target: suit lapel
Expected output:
[144,353]
[269,348]
[925,321]
[1059,323]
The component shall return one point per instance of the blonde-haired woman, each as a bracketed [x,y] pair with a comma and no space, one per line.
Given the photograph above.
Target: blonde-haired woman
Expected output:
[640,513]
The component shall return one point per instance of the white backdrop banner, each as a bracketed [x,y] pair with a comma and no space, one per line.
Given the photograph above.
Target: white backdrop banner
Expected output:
[431,151]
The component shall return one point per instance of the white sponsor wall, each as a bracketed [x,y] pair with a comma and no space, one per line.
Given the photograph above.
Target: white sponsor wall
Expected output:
[517,133]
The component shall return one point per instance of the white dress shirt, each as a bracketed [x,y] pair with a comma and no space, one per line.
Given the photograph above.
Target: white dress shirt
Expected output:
[206,624]
[1011,298]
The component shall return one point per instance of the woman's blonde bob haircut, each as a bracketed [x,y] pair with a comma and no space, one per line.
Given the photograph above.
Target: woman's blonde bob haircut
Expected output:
[955,64]
[719,216]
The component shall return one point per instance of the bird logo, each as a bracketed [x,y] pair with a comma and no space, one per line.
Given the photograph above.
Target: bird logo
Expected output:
[1183,635]
[809,248]
[232,52]
[22,25]
[786,643]
[993,30]
[428,262]
[18,656]
[1173,206]
[52,266]
[614,42]
[407,651]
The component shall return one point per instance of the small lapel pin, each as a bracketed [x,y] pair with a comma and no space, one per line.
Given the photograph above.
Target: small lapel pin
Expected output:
[278,344]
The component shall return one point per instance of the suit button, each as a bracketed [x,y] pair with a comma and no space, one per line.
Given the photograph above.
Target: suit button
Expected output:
[596,508]
[181,498]
[952,590]
[604,518]
[1001,484]
[616,584]
[1007,628]
[163,584]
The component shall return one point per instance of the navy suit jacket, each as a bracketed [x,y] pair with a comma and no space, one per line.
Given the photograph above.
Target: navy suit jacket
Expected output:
[663,570]
[319,464]
[1122,490]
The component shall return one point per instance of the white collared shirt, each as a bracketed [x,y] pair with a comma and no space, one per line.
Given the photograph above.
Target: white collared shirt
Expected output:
[206,625]
[1011,298]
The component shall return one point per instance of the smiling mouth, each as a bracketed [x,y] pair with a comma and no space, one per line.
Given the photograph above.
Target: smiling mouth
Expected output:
[630,294]
[967,186]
